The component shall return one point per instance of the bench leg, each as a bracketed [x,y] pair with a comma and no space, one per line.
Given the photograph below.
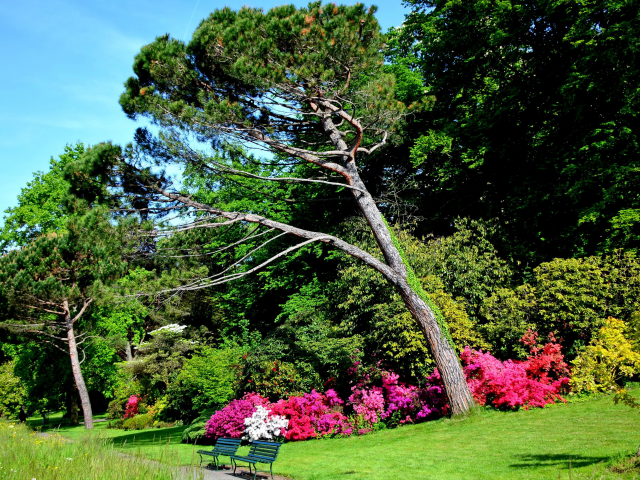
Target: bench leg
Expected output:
[271,470]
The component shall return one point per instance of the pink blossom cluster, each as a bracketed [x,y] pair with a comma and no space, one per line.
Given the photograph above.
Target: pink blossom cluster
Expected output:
[368,403]
[408,403]
[131,410]
[229,422]
[313,415]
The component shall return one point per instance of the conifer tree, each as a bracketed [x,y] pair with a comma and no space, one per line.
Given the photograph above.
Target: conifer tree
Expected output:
[47,286]
[307,85]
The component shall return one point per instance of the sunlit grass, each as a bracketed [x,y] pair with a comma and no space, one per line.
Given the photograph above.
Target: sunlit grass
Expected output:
[25,454]
[578,441]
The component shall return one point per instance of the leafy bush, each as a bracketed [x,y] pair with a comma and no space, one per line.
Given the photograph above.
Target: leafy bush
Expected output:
[608,359]
[12,391]
[206,381]
[196,431]
[568,297]
[307,348]
[139,422]
[509,314]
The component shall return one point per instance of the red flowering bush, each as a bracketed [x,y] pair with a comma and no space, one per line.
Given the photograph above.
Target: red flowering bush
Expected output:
[229,422]
[312,415]
[131,409]
[536,382]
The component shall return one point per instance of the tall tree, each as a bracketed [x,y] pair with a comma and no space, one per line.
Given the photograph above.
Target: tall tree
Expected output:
[40,206]
[534,119]
[308,86]
[47,286]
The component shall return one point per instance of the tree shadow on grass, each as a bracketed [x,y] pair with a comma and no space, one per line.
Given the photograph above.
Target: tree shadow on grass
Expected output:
[556,459]
[148,437]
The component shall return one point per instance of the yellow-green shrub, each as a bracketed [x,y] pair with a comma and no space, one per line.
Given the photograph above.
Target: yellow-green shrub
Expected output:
[609,358]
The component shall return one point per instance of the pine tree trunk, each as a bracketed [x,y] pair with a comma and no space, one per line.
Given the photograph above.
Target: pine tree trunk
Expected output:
[455,385]
[77,375]
[456,388]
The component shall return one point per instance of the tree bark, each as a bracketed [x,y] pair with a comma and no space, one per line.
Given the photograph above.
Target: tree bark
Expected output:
[77,374]
[456,388]
[128,351]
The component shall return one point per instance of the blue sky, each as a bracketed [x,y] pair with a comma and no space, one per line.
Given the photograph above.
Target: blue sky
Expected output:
[63,66]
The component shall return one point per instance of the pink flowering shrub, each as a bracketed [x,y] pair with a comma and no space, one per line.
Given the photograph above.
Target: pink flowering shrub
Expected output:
[131,409]
[536,382]
[229,422]
[312,415]
[368,403]
[408,403]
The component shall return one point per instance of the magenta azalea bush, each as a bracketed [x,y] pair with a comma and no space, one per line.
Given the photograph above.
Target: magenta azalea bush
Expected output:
[131,409]
[229,422]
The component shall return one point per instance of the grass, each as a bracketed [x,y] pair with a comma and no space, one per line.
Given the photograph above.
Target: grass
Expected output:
[24,454]
[573,441]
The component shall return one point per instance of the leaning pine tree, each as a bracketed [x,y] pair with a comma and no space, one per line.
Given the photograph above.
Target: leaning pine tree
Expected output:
[47,286]
[307,85]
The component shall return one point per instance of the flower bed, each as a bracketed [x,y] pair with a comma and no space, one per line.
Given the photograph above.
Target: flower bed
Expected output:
[511,384]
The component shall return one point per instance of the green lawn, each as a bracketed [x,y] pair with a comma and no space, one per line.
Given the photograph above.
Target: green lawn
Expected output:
[535,444]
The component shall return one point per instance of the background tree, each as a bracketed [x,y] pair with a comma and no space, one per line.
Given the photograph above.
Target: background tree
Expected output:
[47,286]
[307,85]
[41,204]
[533,120]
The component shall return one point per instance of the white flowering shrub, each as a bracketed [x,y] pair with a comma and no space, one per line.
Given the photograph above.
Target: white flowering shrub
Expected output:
[261,426]
[172,328]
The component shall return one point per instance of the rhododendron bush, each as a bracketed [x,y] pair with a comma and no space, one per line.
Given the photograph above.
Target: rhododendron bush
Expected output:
[512,384]
[132,407]
[229,422]
[262,426]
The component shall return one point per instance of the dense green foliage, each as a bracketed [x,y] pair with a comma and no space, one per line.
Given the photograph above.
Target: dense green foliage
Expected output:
[12,391]
[40,206]
[570,298]
[533,120]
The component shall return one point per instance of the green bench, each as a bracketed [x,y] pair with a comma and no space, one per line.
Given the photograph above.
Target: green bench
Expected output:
[223,446]
[260,452]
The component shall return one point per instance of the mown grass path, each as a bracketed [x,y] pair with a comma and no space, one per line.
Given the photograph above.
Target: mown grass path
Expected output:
[534,444]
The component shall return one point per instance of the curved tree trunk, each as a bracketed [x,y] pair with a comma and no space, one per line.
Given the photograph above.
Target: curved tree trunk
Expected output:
[455,384]
[456,388]
[77,375]
[458,393]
